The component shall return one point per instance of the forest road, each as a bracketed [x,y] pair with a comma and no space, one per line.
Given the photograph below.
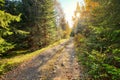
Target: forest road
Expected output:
[57,63]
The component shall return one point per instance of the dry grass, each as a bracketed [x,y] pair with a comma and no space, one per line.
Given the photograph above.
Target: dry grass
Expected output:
[10,63]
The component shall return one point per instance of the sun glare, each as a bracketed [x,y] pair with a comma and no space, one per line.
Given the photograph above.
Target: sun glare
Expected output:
[78,15]
[69,7]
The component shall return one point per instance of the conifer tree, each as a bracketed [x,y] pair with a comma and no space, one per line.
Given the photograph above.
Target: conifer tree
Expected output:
[99,50]
[5,20]
[40,15]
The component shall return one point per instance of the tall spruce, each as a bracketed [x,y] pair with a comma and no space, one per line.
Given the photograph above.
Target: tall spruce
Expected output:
[5,20]
[40,16]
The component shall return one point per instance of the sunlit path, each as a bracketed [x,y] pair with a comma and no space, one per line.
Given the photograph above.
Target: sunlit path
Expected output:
[58,63]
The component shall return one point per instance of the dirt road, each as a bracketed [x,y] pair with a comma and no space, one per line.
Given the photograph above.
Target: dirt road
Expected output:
[57,63]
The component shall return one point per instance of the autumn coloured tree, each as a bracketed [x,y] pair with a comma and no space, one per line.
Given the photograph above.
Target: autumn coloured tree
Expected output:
[62,25]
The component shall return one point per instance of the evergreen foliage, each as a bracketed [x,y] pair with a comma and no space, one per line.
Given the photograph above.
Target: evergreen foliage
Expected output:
[99,51]
[29,25]
[40,17]
[5,20]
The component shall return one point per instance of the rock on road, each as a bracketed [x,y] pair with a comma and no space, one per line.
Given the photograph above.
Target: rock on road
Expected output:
[57,63]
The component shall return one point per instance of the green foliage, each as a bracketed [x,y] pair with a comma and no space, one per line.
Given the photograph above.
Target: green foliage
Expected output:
[112,71]
[27,25]
[5,20]
[4,46]
[1,3]
[41,20]
[101,49]
[6,67]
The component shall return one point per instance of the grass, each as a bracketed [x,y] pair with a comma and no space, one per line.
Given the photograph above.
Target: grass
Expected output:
[10,63]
